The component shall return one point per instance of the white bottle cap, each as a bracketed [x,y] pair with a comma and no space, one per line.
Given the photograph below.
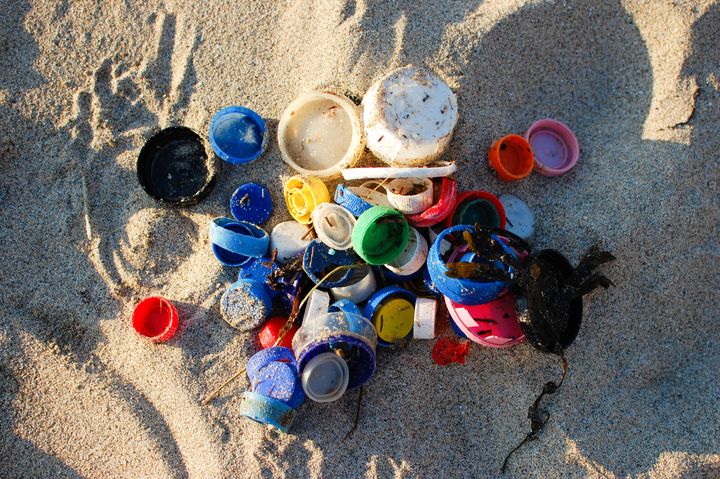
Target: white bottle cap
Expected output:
[518,217]
[410,196]
[361,286]
[425,313]
[409,116]
[413,256]
[325,377]
[290,238]
[333,225]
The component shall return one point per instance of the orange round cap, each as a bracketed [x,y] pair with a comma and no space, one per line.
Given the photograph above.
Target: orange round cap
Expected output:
[512,158]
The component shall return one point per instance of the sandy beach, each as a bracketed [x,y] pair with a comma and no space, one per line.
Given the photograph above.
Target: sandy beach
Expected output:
[83,85]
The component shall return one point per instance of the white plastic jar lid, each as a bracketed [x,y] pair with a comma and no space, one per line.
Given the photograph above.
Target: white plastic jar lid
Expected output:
[409,116]
[325,377]
[290,238]
[320,133]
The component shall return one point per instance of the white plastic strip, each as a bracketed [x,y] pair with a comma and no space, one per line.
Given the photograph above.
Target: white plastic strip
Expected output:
[441,170]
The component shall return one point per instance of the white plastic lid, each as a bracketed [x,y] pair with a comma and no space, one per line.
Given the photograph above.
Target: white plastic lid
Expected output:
[325,377]
[290,238]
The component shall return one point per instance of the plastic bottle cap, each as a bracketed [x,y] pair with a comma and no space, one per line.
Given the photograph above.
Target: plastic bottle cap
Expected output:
[238,135]
[267,356]
[317,305]
[380,235]
[438,170]
[493,324]
[319,259]
[270,331]
[554,145]
[268,411]
[246,304]
[512,158]
[325,377]
[424,320]
[303,194]
[469,211]
[409,116]
[410,196]
[280,381]
[289,238]
[156,318]
[320,133]
[251,202]
[349,200]
[359,287]
[333,225]
[234,243]
[519,218]
[413,257]
[392,312]
[173,167]
[443,206]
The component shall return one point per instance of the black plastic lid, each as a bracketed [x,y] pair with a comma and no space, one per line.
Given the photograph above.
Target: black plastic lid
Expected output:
[173,167]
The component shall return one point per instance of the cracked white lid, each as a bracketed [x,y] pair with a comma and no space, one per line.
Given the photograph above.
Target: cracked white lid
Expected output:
[409,116]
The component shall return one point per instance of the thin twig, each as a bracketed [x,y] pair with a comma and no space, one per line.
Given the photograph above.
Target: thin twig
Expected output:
[357,415]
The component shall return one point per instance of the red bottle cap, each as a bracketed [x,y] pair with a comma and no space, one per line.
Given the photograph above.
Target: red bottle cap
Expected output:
[155,318]
[271,329]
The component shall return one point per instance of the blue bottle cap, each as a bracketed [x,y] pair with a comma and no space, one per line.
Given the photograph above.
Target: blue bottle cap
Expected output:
[266,356]
[173,167]
[251,202]
[238,135]
[266,410]
[280,381]
[257,269]
[234,243]
[319,258]
[350,201]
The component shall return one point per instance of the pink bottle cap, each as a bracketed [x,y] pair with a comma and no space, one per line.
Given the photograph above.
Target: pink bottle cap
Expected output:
[492,324]
[554,145]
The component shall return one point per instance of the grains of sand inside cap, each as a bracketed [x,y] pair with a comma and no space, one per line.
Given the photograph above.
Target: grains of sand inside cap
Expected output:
[83,87]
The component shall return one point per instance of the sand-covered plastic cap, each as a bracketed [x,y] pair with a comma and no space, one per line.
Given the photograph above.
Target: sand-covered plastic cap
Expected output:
[409,115]
[246,304]
[380,235]
[511,157]
[238,135]
[174,168]
[554,145]
[155,318]
[320,133]
[268,411]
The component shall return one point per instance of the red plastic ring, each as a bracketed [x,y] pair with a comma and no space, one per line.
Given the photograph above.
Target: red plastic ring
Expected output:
[155,318]
[440,210]
[477,195]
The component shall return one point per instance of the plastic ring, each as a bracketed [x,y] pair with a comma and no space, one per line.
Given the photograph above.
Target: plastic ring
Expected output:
[442,169]
[303,194]
[413,256]
[462,291]
[387,328]
[333,225]
[268,411]
[424,320]
[319,258]
[403,194]
[440,210]
[235,242]
[380,235]
[359,287]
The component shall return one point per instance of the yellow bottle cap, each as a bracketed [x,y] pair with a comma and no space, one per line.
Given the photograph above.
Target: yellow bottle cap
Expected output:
[394,319]
[303,194]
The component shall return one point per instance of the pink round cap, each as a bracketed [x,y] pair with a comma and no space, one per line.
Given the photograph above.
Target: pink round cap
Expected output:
[554,145]
[492,324]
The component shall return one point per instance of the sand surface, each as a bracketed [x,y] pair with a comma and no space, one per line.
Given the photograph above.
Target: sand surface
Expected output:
[84,84]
